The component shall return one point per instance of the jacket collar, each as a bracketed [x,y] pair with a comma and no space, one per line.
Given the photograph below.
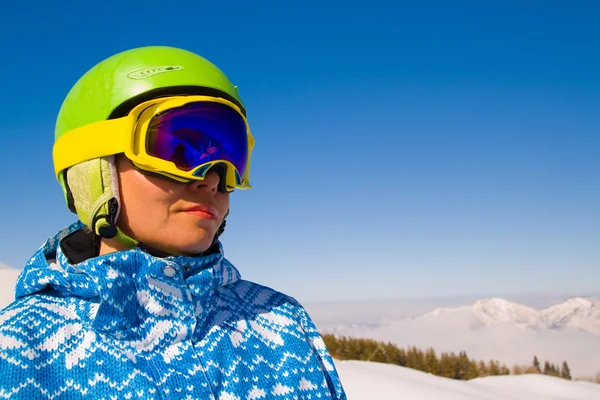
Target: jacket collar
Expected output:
[108,276]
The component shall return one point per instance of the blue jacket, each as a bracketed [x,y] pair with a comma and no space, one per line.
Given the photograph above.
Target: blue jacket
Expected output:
[129,325]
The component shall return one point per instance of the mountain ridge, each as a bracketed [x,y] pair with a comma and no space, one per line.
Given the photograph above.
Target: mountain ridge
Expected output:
[581,313]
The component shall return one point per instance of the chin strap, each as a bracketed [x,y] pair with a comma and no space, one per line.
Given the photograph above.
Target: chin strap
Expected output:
[104,225]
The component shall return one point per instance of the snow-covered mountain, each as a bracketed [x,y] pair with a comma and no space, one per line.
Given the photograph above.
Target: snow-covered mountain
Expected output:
[492,311]
[493,328]
[578,313]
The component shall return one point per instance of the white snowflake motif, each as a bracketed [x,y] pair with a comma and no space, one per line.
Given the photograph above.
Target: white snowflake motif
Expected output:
[266,325]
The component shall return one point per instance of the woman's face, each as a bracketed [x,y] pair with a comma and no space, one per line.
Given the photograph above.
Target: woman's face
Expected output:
[177,218]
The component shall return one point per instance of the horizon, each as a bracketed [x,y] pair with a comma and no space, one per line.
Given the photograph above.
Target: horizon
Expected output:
[536,300]
[428,149]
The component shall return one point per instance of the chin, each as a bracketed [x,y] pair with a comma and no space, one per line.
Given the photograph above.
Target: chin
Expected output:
[181,240]
[194,247]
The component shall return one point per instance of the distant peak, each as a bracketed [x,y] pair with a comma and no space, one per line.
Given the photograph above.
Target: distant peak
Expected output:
[494,300]
[581,313]
[584,301]
[576,302]
[499,303]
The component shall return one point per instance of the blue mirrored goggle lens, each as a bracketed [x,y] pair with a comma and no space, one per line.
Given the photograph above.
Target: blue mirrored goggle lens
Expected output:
[198,133]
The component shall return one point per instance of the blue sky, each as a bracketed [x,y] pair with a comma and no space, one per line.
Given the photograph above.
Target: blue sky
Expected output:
[403,148]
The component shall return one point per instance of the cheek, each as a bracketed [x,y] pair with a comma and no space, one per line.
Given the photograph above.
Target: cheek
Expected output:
[141,198]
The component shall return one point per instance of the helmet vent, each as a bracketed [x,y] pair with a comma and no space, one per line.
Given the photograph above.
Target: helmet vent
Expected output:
[147,72]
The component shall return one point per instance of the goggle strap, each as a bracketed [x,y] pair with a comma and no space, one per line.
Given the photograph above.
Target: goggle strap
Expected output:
[96,140]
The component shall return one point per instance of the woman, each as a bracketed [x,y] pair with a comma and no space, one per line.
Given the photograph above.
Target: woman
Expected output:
[137,300]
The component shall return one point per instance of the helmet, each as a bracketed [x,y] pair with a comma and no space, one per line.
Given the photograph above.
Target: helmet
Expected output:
[111,89]
[114,86]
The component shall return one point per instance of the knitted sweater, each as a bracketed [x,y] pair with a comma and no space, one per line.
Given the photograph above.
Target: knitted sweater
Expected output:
[129,325]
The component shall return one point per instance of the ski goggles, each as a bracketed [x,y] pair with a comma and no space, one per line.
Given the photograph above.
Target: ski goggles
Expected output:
[179,137]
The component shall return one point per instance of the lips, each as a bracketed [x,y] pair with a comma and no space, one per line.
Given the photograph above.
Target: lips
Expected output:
[202,211]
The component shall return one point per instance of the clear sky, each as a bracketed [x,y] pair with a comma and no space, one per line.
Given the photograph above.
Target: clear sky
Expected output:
[403,148]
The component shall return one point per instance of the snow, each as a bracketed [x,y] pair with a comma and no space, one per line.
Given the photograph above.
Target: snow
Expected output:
[367,380]
[580,313]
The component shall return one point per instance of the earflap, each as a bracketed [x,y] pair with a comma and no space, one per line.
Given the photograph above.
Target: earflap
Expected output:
[94,187]
[114,180]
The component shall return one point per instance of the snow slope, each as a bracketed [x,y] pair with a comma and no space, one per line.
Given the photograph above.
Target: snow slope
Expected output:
[366,381]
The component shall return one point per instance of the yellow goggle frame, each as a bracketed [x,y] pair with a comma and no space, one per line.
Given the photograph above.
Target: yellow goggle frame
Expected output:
[128,135]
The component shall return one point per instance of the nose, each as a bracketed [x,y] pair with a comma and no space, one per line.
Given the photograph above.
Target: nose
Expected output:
[210,182]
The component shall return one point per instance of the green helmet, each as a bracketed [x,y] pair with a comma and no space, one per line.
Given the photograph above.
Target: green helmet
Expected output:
[114,86]
[110,90]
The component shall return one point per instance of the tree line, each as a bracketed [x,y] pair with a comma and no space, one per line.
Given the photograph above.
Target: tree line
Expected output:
[449,365]
[549,369]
